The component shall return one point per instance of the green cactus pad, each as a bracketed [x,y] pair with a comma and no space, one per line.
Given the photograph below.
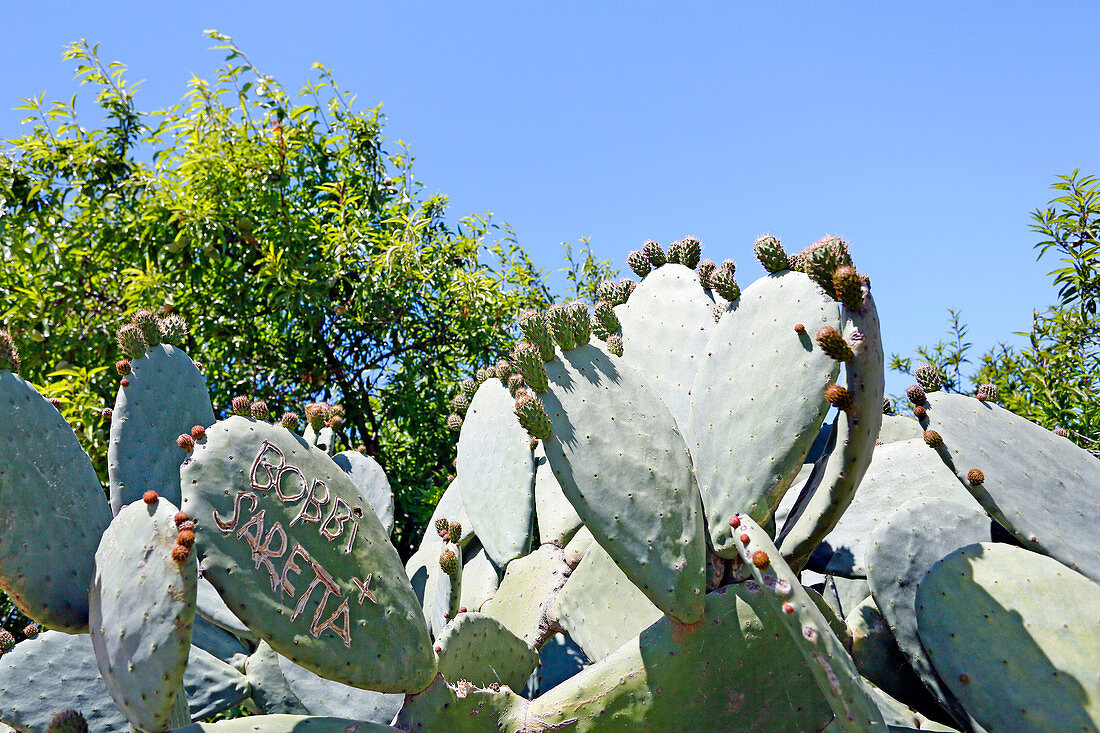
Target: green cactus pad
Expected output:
[757,401]
[372,483]
[600,608]
[448,590]
[320,696]
[524,602]
[496,473]
[902,548]
[896,427]
[898,471]
[778,597]
[140,610]
[1041,487]
[665,327]
[621,462]
[481,650]
[166,397]
[879,660]
[453,509]
[274,514]
[840,470]
[212,608]
[270,691]
[323,439]
[54,510]
[287,724]
[461,709]
[212,686]
[733,672]
[557,519]
[218,642]
[60,671]
[1016,637]
[479,581]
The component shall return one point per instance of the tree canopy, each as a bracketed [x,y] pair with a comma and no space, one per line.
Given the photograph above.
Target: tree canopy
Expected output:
[309,262]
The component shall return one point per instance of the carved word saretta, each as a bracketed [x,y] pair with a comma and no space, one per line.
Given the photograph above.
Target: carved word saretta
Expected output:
[334,518]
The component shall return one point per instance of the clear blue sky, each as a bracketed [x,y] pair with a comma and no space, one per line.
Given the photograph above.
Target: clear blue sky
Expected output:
[924,133]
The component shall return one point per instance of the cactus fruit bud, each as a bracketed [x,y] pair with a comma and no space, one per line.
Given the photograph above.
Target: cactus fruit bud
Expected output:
[32,630]
[723,282]
[106,413]
[887,406]
[9,355]
[532,416]
[528,361]
[55,402]
[833,344]
[481,374]
[916,395]
[460,402]
[259,410]
[454,529]
[928,377]
[606,290]
[799,328]
[919,412]
[124,382]
[744,539]
[180,518]
[975,477]
[503,371]
[7,641]
[839,397]
[675,253]
[315,414]
[174,330]
[639,263]
[933,439]
[443,528]
[735,521]
[615,344]
[180,553]
[705,270]
[67,721]
[150,497]
[462,609]
[788,607]
[537,331]
[560,318]
[469,388]
[760,559]
[718,311]
[605,316]
[533,444]
[186,525]
[821,259]
[653,253]
[122,366]
[1061,432]
[149,324]
[690,252]
[454,422]
[987,391]
[448,562]
[131,341]
[770,253]
[198,432]
[516,385]
[582,322]
[185,538]
[616,293]
[241,405]
[185,442]
[289,420]
[848,287]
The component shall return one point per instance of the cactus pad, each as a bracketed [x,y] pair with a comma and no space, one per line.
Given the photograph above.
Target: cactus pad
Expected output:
[1015,635]
[371,481]
[496,474]
[296,553]
[481,650]
[1042,488]
[54,510]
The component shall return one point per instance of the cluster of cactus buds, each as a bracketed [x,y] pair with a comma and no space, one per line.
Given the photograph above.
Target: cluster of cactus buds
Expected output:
[185,537]
[144,330]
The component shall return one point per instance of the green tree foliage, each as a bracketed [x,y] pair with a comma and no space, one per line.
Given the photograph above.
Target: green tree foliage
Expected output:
[307,260]
[1054,379]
